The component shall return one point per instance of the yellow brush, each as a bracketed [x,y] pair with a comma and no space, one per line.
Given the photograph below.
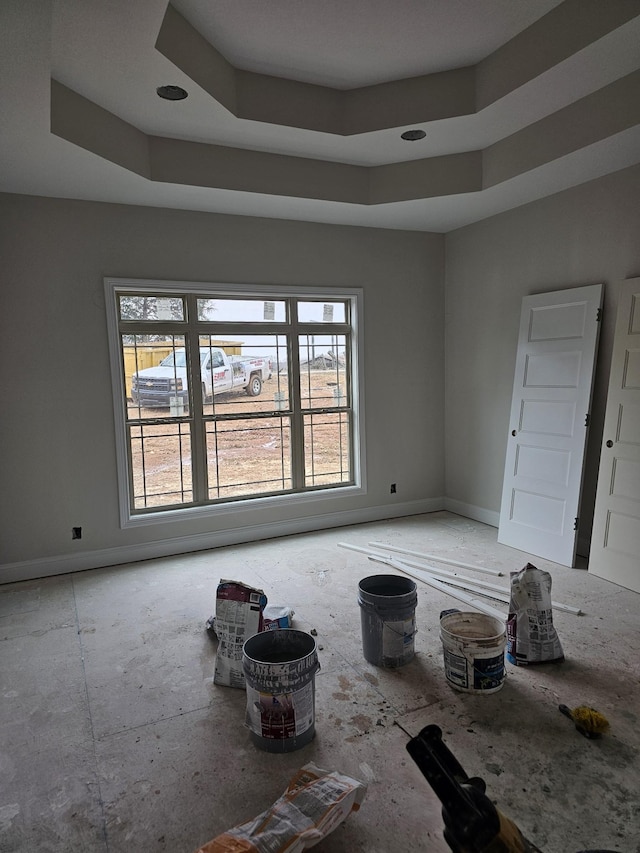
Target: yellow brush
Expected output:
[588,721]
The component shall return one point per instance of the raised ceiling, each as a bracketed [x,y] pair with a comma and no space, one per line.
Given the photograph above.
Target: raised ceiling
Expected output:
[296,109]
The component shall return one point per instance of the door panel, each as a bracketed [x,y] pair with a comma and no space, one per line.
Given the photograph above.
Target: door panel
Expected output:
[551,398]
[552,370]
[548,417]
[543,463]
[615,541]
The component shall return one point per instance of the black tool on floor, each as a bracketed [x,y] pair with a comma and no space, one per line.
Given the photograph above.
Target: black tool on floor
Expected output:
[472,823]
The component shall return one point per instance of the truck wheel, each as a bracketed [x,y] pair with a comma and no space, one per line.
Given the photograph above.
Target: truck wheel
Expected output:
[255,385]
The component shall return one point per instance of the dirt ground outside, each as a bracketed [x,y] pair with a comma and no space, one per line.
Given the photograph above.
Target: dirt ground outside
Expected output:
[244,457]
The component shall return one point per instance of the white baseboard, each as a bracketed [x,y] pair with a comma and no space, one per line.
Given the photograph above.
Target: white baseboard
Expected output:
[77,562]
[477,513]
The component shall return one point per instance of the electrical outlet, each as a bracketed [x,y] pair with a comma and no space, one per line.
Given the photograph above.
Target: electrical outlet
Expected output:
[393,489]
[76,533]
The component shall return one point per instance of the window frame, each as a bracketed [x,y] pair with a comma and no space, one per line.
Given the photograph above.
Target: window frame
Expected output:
[114,286]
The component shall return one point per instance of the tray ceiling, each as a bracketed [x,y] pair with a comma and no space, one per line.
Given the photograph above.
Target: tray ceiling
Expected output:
[295,110]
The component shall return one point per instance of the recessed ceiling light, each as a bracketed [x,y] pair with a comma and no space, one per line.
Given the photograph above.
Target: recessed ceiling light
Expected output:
[413,135]
[172,93]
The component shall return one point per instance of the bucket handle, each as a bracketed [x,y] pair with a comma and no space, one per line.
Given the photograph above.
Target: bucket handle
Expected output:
[401,633]
[367,605]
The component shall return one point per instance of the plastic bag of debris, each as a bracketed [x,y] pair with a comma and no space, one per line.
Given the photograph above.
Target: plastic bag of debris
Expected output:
[239,615]
[531,636]
[314,804]
[276,616]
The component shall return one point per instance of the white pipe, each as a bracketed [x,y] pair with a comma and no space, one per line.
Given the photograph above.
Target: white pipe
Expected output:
[432,570]
[459,581]
[500,593]
[482,606]
[383,547]
[497,593]
[451,576]
[366,551]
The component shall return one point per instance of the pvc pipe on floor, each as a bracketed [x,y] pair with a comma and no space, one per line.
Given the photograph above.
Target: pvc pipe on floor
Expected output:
[434,582]
[459,581]
[383,547]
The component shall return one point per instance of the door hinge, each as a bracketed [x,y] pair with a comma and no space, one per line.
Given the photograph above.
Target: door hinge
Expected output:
[598,315]
[575,523]
[586,419]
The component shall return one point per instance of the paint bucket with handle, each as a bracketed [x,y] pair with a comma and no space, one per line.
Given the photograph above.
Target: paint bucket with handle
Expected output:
[279,669]
[387,614]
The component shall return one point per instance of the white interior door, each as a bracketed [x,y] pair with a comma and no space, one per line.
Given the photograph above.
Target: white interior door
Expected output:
[615,540]
[549,418]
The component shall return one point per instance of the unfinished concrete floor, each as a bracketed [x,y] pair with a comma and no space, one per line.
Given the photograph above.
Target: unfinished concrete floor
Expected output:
[114,738]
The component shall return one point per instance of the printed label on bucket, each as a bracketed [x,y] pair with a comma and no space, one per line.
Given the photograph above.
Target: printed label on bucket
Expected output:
[455,669]
[488,672]
[397,638]
[280,716]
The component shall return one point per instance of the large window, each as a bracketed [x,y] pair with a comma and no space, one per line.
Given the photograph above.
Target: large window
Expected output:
[224,395]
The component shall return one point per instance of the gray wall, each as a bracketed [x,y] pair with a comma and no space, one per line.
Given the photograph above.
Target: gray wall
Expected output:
[57,452]
[57,449]
[582,236]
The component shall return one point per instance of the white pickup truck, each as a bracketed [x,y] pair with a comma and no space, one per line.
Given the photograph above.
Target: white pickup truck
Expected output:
[159,386]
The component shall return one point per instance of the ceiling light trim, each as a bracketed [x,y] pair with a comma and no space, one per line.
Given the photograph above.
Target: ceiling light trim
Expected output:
[170,92]
[413,135]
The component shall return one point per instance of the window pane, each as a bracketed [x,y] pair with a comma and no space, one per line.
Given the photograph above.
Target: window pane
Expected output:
[156,376]
[243,376]
[222,310]
[150,307]
[322,312]
[327,449]
[248,456]
[161,464]
[323,377]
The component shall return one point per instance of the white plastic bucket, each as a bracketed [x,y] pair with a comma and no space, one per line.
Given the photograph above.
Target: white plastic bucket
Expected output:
[473,646]
[279,670]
